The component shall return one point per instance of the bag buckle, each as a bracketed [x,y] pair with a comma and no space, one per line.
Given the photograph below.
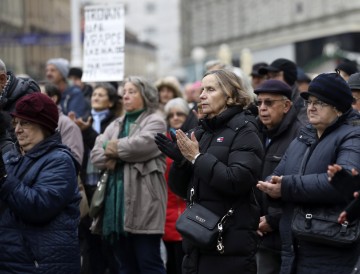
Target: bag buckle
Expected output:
[344,226]
[308,218]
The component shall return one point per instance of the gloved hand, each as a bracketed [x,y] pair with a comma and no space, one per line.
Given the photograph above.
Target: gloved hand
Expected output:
[169,147]
[346,183]
[3,172]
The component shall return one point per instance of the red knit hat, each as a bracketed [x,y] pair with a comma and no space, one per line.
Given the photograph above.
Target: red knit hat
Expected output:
[39,109]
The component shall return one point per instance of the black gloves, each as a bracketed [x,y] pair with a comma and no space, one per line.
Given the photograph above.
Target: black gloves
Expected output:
[3,172]
[169,147]
[344,182]
[353,210]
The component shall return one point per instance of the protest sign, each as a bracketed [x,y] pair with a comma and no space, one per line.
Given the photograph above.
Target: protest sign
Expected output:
[104,42]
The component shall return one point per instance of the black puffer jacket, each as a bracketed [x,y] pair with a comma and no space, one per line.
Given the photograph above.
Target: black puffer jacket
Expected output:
[304,169]
[224,176]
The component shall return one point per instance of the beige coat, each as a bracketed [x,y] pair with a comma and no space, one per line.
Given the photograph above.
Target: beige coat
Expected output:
[144,182]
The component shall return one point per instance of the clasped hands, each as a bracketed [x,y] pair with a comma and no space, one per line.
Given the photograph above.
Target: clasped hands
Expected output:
[179,147]
[111,154]
[272,187]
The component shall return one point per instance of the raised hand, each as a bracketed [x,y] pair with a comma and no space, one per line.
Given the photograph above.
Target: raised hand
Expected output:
[168,147]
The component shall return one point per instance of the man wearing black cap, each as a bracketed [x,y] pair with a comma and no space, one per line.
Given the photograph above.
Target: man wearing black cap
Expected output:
[354,83]
[257,78]
[281,69]
[347,68]
[279,126]
[285,70]
[74,78]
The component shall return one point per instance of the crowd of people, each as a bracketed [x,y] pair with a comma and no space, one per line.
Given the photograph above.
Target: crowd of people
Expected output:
[262,146]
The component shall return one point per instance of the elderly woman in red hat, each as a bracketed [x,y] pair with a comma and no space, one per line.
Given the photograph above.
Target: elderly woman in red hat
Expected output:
[39,199]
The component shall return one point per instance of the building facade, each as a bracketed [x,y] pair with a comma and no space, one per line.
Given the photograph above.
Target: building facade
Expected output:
[33,31]
[270,29]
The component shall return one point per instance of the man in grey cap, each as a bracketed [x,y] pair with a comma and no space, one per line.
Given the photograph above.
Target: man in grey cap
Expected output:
[72,98]
[354,83]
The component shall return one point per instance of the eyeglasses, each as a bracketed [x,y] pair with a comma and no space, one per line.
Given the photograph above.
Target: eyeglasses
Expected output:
[179,114]
[22,123]
[316,104]
[267,102]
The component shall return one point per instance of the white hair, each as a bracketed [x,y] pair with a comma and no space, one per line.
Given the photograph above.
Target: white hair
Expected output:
[179,103]
[2,66]
[245,81]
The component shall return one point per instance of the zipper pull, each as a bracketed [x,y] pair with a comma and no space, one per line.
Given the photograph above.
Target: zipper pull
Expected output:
[192,192]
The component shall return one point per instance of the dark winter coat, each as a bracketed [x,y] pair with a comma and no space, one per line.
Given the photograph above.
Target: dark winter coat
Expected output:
[15,88]
[89,136]
[40,211]
[305,183]
[224,176]
[280,137]
[72,99]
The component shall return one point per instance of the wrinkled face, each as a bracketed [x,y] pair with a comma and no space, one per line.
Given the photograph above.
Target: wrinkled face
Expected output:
[272,109]
[166,94]
[132,99]
[100,100]
[53,75]
[356,103]
[212,97]
[27,133]
[176,118]
[320,115]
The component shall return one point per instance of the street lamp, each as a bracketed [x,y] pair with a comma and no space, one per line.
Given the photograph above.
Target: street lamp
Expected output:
[198,54]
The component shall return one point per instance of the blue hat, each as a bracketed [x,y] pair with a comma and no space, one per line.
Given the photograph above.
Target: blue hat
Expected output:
[332,89]
[274,86]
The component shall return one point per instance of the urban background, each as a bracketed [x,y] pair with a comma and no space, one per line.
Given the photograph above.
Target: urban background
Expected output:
[176,37]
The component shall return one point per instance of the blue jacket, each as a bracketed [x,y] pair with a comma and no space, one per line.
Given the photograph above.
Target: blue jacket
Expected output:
[72,99]
[39,212]
[305,182]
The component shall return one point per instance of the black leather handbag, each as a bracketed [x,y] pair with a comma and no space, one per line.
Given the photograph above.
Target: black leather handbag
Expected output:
[320,225]
[202,227]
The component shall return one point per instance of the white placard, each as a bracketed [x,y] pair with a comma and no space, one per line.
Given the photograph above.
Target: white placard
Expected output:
[104,42]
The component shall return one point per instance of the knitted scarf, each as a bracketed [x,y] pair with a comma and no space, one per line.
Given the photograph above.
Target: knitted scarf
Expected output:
[98,117]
